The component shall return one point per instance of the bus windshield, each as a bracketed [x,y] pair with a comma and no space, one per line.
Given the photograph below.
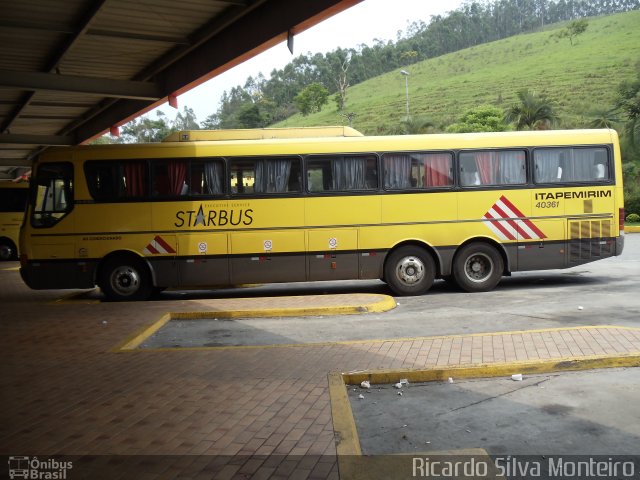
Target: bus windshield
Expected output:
[52,194]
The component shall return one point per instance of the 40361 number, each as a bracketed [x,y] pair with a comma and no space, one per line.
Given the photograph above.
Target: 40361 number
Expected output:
[547,204]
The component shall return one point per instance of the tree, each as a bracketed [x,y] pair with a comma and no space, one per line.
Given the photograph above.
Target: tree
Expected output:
[145,129]
[416,125]
[186,120]
[628,103]
[532,113]
[575,28]
[332,71]
[311,98]
[485,118]
[603,118]
[250,116]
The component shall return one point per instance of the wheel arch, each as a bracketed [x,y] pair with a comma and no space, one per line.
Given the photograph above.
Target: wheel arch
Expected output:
[124,253]
[437,258]
[11,243]
[506,262]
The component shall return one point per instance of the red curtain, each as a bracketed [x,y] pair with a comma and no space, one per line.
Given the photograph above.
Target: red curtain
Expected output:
[177,176]
[135,174]
[436,170]
[488,167]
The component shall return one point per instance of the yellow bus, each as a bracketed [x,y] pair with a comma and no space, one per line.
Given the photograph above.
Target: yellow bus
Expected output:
[13,202]
[214,208]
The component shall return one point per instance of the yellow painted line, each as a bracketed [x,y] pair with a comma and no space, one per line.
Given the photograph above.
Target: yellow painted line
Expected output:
[383,303]
[530,367]
[376,304]
[74,298]
[631,229]
[209,315]
[345,430]
[141,335]
[11,269]
[344,426]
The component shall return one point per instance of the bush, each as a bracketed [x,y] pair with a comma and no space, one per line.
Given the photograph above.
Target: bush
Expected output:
[633,217]
[632,202]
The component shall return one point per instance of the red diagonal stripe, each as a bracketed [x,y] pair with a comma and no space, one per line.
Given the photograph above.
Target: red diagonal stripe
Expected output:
[513,223]
[529,223]
[496,223]
[152,249]
[164,244]
[533,227]
[511,206]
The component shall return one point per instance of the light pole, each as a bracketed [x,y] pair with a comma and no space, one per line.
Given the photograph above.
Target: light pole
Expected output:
[406,86]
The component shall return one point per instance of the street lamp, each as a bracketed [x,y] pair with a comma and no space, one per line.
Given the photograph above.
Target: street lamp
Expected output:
[406,85]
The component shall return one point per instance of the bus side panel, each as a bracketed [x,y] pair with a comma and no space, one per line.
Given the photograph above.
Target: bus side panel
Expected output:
[546,253]
[332,254]
[419,207]
[265,256]
[203,259]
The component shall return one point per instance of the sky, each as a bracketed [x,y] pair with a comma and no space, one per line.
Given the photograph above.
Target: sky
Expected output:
[360,24]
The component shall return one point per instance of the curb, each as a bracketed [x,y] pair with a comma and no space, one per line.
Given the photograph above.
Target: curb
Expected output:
[632,229]
[346,434]
[376,303]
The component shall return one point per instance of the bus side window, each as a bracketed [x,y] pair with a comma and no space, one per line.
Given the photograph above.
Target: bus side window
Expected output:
[102,180]
[571,165]
[206,177]
[342,173]
[169,177]
[277,175]
[468,171]
[493,167]
[242,175]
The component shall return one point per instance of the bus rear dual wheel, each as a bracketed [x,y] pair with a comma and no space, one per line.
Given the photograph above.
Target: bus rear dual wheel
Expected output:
[410,270]
[125,277]
[477,267]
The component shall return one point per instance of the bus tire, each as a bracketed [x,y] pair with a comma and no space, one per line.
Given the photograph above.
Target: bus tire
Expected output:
[124,278]
[409,270]
[477,267]
[7,250]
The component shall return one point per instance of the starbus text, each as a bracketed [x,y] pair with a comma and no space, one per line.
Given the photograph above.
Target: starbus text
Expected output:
[213,218]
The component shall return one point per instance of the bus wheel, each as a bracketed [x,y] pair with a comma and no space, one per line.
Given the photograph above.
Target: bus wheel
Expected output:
[7,250]
[125,278]
[477,267]
[409,271]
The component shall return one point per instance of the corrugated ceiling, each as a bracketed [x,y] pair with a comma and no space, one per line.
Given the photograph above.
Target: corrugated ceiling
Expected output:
[70,70]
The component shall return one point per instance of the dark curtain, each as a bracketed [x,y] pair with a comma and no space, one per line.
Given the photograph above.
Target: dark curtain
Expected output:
[177,175]
[135,178]
[488,167]
[437,170]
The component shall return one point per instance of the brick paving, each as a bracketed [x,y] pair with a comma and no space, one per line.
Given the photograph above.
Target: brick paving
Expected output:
[65,392]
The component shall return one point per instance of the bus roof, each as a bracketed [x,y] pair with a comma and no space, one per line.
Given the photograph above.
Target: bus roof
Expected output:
[261,134]
[260,142]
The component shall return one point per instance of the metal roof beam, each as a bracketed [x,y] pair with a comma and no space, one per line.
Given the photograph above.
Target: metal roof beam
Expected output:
[217,46]
[27,139]
[66,30]
[82,25]
[34,81]
[15,162]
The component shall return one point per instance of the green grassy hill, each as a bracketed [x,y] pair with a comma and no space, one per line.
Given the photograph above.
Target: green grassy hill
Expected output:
[576,78]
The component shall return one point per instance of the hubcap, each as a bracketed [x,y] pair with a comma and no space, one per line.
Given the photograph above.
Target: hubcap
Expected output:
[125,280]
[410,270]
[478,267]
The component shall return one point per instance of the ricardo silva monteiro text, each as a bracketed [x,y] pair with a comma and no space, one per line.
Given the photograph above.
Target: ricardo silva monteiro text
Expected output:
[513,468]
